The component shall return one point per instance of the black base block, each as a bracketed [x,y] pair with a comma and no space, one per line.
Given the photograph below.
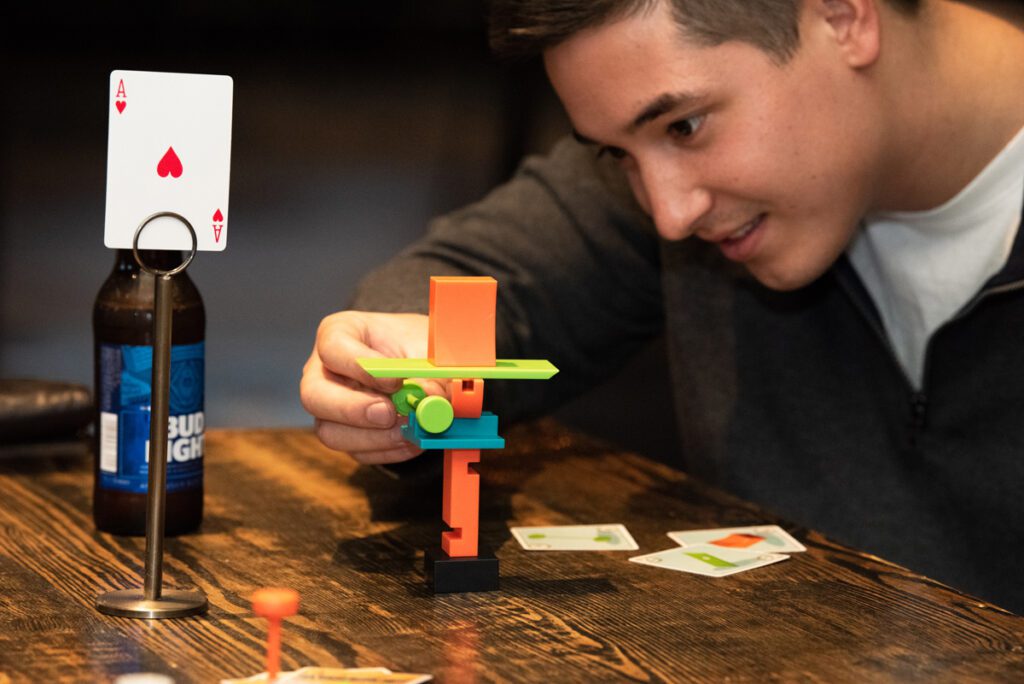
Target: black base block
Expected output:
[447,575]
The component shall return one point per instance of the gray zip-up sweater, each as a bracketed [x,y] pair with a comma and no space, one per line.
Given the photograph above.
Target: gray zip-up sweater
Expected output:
[794,400]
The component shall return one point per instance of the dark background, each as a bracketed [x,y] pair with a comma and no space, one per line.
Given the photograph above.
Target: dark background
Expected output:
[354,123]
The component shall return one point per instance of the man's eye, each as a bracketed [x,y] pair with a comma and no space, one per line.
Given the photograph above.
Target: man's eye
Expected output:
[613,152]
[684,128]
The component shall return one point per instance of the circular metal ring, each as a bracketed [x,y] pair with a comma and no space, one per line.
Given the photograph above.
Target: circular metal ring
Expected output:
[156,271]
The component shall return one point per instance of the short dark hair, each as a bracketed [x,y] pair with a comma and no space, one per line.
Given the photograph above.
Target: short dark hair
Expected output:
[520,28]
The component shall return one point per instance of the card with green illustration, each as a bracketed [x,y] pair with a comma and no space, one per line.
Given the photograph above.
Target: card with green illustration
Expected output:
[712,561]
[610,537]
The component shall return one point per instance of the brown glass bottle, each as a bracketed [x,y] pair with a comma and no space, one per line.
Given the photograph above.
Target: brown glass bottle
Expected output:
[123,339]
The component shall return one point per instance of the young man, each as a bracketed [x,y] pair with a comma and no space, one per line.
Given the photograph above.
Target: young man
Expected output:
[846,333]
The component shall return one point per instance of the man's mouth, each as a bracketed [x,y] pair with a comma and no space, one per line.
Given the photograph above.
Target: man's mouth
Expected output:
[741,244]
[745,230]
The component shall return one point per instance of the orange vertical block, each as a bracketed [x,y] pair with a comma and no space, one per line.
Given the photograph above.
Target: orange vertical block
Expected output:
[467,397]
[461,328]
[460,502]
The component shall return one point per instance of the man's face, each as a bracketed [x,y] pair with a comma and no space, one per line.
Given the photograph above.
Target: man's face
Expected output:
[773,162]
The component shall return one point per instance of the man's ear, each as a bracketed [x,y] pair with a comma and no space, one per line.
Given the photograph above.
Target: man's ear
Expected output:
[855,26]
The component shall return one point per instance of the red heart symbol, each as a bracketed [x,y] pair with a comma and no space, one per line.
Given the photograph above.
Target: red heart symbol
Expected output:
[120,104]
[169,164]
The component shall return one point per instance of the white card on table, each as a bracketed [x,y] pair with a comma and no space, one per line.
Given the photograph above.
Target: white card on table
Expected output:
[611,537]
[337,675]
[168,149]
[761,538]
[712,561]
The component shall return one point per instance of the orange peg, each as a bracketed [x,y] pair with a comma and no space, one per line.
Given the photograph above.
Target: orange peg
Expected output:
[274,604]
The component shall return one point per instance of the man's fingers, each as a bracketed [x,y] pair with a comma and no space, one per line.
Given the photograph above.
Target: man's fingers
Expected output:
[390,456]
[353,410]
[432,386]
[332,398]
[357,440]
[340,342]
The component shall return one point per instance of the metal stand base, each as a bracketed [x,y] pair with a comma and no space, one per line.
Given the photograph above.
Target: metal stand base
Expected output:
[133,603]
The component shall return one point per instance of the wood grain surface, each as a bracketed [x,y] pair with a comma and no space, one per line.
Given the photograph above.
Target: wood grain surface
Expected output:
[284,511]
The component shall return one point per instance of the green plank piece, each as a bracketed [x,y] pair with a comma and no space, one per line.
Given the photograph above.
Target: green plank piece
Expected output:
[508,369]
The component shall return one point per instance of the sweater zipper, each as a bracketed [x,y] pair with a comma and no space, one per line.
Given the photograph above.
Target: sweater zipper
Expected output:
[964,311]
[879,330]
[918,398]
[918,404]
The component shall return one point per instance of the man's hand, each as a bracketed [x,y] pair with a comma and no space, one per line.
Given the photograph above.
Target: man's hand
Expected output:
[353,410]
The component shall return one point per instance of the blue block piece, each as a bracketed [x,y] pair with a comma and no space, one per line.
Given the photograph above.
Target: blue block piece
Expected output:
[465,433]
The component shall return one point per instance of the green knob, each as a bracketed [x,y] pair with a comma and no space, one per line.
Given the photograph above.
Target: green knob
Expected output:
[434,414]
[405,399]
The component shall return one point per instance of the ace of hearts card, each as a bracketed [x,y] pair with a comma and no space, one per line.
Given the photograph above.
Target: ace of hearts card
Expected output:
[168,150]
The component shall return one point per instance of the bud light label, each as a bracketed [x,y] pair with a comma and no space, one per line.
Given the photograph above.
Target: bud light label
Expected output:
[124,398]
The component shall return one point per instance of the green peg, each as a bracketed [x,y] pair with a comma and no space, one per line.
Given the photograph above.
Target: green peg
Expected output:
[434,413]
[407,397]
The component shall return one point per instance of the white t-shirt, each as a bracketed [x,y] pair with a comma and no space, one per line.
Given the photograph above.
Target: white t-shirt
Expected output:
[922,267]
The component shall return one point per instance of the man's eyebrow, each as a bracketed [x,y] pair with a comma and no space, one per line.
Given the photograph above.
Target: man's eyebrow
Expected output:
[665,102]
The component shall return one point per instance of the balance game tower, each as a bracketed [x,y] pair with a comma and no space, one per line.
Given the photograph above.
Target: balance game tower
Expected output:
[461,349]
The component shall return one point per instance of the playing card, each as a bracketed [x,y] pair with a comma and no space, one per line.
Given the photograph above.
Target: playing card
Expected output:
[761,538]
[168,149]
[712,561]
[610,537]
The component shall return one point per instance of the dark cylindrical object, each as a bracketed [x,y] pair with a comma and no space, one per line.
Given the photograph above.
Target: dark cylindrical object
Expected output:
[124,339]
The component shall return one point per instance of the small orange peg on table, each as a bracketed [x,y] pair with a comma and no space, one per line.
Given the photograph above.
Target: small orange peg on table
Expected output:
[274,604]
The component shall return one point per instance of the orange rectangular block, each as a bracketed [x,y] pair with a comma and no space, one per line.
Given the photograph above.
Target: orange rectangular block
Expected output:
[460,502]
[461,328]
[467,397]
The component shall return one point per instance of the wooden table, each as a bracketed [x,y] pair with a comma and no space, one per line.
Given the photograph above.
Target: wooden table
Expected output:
[282,510]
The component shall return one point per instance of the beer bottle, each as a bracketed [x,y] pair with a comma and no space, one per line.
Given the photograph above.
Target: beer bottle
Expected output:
[123,364]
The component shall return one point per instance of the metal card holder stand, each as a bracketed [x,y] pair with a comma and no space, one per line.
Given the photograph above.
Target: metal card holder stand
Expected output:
[153,601]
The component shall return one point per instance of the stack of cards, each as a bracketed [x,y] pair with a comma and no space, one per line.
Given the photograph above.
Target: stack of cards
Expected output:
[726,551]
[338,675]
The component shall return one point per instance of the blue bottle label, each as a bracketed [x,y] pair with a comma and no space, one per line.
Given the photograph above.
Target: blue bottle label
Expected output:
[124,401]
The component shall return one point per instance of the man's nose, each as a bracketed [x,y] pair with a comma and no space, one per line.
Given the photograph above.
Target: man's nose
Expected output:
[677,201]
